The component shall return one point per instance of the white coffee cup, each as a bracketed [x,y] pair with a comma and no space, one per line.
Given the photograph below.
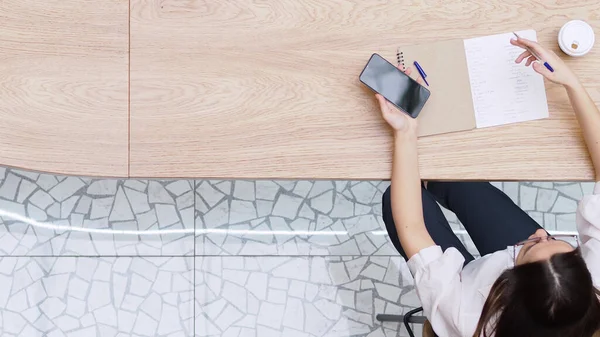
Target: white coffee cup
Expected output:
[576,38]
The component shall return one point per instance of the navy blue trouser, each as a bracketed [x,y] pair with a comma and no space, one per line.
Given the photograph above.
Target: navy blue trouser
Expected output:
[490,217]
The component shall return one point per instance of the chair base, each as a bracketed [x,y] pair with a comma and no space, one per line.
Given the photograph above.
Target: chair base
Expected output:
[400,318]
[407,320]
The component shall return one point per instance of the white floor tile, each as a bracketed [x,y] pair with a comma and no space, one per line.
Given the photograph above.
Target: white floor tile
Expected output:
[95,217]
[54,296]
[320,295]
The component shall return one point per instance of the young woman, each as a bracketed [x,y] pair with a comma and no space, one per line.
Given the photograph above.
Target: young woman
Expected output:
[540,285]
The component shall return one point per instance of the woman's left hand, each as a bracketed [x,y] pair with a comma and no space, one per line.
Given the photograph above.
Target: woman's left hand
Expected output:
[400,121]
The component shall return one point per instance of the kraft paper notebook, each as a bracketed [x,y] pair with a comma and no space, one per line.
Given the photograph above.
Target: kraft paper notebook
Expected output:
[475,83]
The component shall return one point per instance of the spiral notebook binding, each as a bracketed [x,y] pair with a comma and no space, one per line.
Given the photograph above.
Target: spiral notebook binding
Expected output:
[400,58]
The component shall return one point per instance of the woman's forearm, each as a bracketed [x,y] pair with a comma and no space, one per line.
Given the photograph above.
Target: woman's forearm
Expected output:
[407,207]
[588,117]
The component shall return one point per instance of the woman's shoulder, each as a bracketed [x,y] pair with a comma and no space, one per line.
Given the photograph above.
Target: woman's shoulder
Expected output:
[588,215]
[591,194]
[483,271]
[588,226]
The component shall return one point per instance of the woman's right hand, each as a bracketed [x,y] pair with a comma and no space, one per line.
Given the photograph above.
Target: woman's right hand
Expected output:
[562,73]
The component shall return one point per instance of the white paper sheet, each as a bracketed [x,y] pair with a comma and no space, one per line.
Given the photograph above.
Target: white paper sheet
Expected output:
[503,92]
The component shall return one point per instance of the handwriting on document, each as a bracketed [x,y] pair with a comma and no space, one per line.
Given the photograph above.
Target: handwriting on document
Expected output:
[503,92]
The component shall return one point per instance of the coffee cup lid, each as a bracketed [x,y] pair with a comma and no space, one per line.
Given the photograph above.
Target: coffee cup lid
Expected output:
[576,37]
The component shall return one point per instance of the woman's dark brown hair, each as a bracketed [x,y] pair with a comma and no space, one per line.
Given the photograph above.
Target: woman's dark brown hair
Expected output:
[548,298]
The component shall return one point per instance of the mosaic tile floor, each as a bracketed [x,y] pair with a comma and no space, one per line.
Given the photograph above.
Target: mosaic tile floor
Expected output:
[87,257]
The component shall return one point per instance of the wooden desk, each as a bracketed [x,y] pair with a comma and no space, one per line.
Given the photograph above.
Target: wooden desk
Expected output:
[260,89]
[257,89]
[63,86]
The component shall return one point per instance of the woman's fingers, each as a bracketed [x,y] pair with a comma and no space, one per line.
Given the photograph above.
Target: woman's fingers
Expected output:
[408,71]
[523,56]
[530,60]
[419,78]
[518,43]
[540,69]
[382,102]
[384,105]
[529,43]
[525,43]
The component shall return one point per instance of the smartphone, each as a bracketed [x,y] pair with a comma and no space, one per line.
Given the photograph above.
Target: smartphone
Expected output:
[394,85]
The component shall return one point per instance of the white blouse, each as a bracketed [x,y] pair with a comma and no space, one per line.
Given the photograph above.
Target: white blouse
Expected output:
[453,296]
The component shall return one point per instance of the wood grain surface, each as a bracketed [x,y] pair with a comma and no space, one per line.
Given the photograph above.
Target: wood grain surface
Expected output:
[64,86]
[269,89]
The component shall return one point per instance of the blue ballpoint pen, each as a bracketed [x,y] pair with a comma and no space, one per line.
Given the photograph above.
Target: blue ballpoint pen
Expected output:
[421,72]
[536,55]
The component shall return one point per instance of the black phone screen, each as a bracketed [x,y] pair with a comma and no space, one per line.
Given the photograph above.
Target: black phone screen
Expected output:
[393,84]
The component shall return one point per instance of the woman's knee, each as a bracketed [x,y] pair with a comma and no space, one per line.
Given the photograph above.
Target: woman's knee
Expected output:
[386,209]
